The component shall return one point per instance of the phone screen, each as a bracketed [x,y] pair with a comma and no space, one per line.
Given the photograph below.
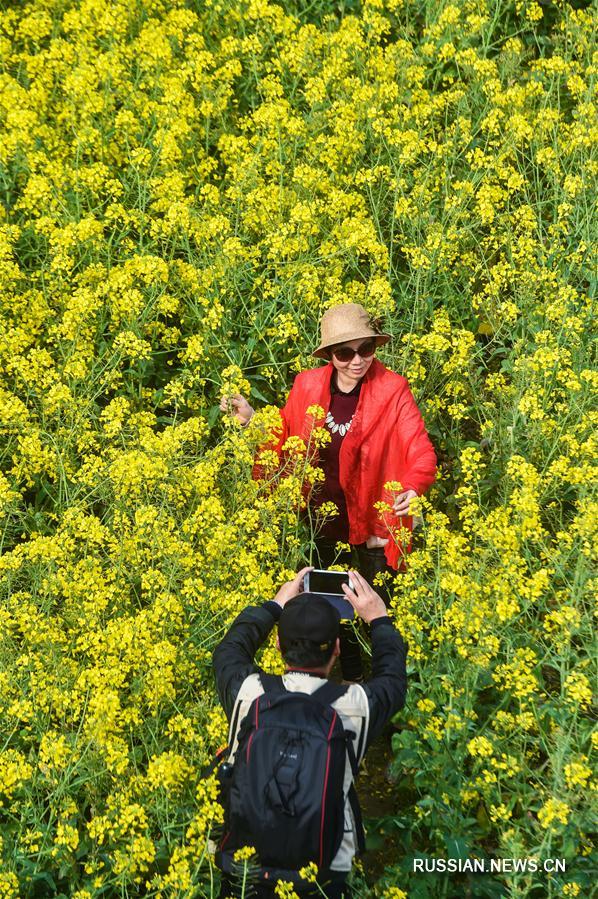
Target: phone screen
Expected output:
[327,582]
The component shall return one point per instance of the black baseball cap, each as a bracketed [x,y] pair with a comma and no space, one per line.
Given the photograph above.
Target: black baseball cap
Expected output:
[308,618]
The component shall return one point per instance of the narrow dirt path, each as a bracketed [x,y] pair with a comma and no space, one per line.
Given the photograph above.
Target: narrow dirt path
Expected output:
[379,800]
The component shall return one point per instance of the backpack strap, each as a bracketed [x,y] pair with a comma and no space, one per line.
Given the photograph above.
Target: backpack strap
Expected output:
[329,692]
[210,767]
[351,753]
[359,831]
[272,683]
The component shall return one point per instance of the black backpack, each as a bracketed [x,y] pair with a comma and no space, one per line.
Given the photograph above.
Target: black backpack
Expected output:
[283,794]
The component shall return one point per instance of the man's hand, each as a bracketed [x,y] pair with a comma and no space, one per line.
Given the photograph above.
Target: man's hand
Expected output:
[237,406]
[364,598]
[292,588]
[401,503]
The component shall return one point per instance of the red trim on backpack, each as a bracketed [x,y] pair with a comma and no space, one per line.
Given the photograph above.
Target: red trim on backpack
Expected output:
[332,723]
[324,808]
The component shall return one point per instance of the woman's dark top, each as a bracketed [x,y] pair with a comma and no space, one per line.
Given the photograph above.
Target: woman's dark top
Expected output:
[340,413]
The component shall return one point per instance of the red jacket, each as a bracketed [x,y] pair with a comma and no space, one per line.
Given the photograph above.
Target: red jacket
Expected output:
[387,441]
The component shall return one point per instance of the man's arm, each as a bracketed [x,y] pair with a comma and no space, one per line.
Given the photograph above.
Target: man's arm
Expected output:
[387,687]
[233,657]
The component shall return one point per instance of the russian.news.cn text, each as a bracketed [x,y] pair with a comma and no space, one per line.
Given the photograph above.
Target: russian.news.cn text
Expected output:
[488,865]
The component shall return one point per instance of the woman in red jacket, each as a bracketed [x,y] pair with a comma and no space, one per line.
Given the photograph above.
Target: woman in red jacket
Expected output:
[377,437]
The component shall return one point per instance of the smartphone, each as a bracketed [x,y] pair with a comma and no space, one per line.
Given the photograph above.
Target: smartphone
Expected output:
[329,585]
[322,581]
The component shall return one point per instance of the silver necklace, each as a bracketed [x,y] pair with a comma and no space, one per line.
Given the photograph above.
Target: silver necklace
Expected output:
[333,427]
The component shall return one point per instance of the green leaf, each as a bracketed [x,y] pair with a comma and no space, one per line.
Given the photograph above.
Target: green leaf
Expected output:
[456,847]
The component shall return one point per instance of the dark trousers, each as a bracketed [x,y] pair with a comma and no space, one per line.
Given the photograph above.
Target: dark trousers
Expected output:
[369,562]
[336,888]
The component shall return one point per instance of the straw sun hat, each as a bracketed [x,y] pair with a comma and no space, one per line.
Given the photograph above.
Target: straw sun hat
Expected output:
[349,321]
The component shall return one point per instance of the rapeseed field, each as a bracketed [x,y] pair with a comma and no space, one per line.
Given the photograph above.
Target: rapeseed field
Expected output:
[186,186]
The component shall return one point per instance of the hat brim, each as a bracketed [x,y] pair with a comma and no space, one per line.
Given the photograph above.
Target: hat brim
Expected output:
[322,351]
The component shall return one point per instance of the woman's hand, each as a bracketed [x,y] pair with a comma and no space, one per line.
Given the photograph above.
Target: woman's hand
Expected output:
[401,503]
[374,542]
[237,406]
[401,507]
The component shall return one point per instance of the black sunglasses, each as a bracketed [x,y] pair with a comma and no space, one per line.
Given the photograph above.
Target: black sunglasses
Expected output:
[346,353]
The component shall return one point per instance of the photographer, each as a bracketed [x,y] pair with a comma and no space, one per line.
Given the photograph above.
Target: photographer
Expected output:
[308,628]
